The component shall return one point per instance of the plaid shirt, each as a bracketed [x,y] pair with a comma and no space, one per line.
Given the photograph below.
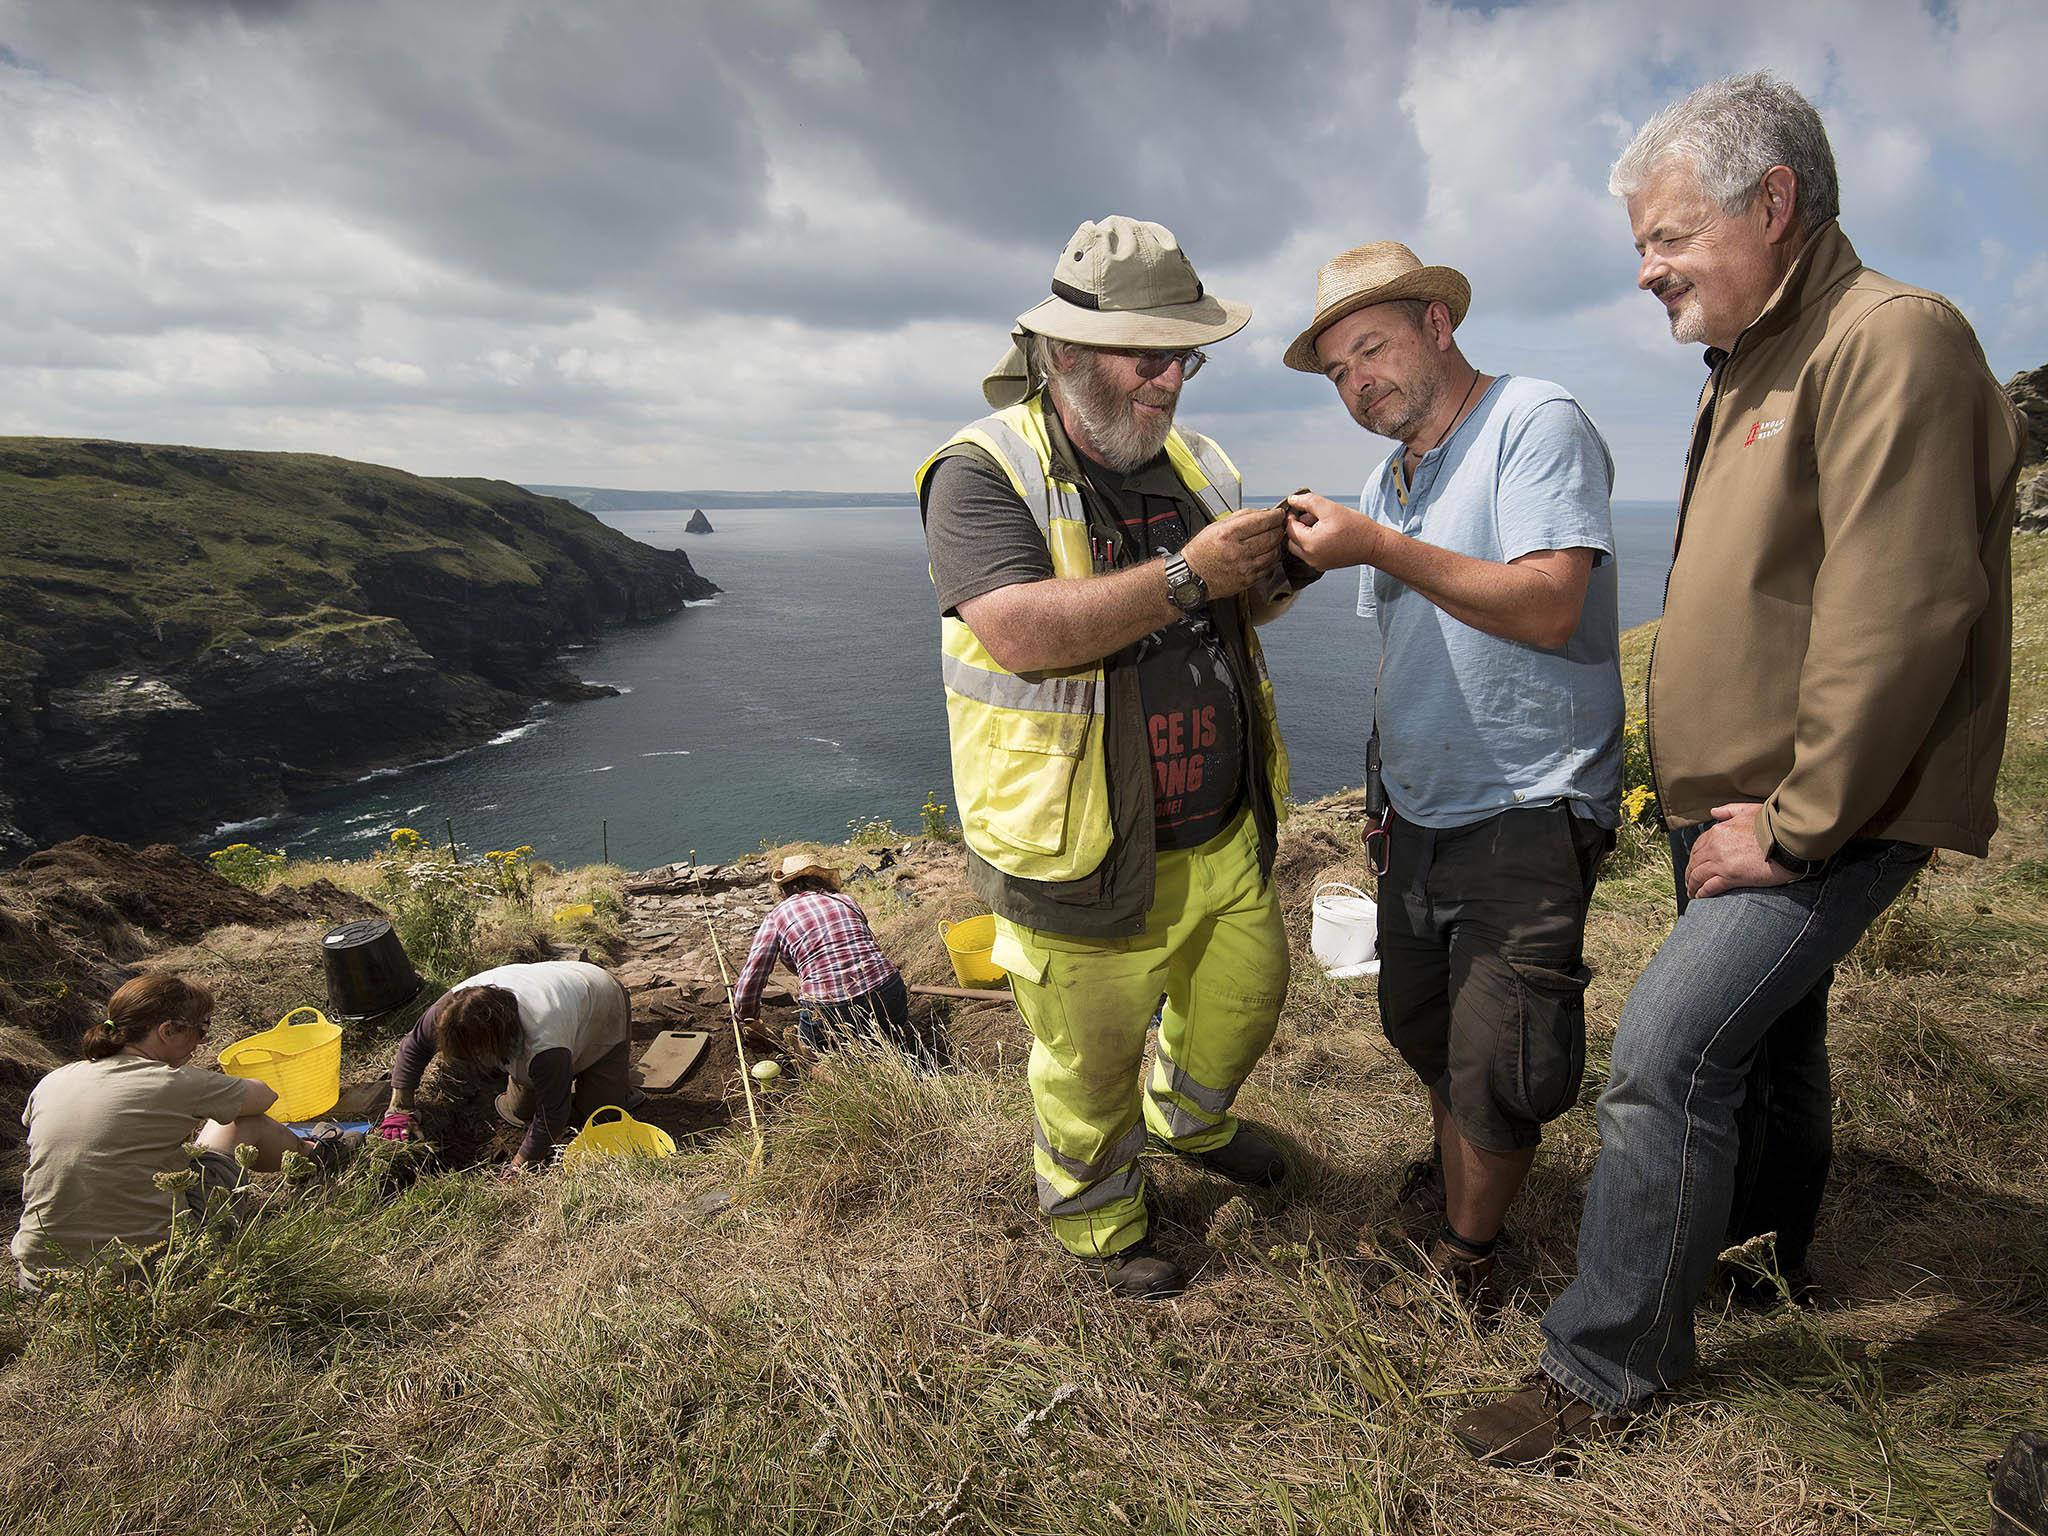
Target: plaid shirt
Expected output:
[826,940]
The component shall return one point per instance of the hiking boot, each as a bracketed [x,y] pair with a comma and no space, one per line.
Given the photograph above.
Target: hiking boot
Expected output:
[1139,1271]
[515,1107]
[1418,1213]
[1447,1268]
[1535,1423]
[329,1147]
[1247,1158]
[1420,1202]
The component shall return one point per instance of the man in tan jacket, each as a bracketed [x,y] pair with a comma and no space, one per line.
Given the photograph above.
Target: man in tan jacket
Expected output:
[1826,705]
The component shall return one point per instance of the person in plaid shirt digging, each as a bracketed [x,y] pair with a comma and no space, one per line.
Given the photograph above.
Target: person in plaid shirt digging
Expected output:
[847,987]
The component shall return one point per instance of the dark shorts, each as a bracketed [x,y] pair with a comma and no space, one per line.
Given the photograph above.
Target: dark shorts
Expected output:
[1482,977]
[221,1181]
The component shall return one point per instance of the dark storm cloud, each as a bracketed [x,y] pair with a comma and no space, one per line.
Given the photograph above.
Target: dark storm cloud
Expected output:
[626,151]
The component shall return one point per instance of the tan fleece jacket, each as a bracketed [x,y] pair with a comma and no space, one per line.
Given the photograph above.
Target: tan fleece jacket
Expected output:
[1836,640]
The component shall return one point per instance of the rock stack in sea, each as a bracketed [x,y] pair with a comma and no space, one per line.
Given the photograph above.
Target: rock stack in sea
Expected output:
[192,635]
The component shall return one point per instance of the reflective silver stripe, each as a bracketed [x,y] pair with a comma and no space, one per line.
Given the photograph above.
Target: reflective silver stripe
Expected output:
[1182,1121]
[1214,1100]
[1047,500]
[1005,690]
[1023,463]
[1127,1147]
[1125,1184]
[1224,487]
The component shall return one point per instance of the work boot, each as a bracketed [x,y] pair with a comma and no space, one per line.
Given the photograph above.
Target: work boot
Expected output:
[1418,1214]
[1532,1425]
[1139,1271]
[1247,1158]
[1420,1202]
[1467,1277]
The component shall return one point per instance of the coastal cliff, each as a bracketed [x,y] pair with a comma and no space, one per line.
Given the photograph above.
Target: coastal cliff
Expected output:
[192,636]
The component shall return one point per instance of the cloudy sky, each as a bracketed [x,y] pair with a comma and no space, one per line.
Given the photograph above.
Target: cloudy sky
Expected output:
[664,244]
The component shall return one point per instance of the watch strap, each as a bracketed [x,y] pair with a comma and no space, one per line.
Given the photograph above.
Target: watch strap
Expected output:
[1184,588]
[1801,868]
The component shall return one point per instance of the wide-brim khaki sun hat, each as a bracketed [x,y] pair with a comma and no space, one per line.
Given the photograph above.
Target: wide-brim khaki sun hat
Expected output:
[1378,273]
[1119,282]
[793,866]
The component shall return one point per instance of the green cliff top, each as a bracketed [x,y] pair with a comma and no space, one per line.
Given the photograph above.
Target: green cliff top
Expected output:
[193,547]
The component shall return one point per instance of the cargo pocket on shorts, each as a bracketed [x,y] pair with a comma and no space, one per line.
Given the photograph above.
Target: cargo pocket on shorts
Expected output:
[1550,1037]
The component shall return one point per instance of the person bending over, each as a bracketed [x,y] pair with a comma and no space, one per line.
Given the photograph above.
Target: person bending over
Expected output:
[561,1031]
[848,988]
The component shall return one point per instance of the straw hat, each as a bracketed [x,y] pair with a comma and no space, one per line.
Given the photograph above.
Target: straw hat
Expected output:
[1375,274]
[793,865]
[1118,283]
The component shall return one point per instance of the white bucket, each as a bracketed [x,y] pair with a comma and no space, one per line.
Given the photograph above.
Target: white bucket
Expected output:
[1344,926]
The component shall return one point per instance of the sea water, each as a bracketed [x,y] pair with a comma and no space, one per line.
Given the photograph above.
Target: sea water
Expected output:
[802,701]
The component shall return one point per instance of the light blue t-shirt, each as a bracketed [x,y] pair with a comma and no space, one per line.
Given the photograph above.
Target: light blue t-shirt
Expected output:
[1471,725]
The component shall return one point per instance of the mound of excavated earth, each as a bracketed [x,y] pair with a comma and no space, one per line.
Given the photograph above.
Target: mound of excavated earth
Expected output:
[75,918]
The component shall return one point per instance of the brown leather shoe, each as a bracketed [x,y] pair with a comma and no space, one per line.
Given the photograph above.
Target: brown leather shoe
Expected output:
[1418,1213]
[1467,1277]
[1532,1425]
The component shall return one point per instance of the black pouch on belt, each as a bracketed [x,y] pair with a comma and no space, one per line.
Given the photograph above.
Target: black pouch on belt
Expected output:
[1376,849]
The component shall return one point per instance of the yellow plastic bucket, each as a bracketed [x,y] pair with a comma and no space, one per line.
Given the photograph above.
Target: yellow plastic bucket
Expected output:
[301,1061]
[968,945]
[623,1137]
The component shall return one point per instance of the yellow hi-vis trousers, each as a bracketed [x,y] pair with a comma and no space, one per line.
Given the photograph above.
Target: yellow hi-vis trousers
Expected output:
[1215,950]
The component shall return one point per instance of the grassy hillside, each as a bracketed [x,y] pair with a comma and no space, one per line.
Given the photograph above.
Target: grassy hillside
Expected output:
[192,635]
[876,1335]
[218,546]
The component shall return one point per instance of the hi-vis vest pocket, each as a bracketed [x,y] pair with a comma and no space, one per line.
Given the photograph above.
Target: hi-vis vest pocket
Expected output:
[1032,759]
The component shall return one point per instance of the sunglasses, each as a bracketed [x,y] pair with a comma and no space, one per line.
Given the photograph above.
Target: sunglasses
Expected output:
[1152,364]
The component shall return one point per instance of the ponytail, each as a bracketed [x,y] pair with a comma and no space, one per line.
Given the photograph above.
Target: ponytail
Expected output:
[142,1004]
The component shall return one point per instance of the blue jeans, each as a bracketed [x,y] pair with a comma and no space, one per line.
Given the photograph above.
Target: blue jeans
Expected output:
[1657,1210]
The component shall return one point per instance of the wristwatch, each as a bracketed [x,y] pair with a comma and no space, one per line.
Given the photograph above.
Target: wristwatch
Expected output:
[1187,591]
[1801,868]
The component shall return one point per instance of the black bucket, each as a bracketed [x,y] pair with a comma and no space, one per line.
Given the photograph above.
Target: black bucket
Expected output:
[367,969]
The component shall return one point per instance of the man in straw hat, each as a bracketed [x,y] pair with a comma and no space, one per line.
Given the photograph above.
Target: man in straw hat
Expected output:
[848,989]
[1116,758]
[1486,551]
[1827,702]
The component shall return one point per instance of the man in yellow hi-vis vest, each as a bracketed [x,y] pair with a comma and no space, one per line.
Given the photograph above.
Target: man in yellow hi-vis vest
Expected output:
[1116,759]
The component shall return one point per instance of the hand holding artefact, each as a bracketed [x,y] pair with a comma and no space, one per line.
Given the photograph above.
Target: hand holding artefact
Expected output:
[1325,535]
[1232,553]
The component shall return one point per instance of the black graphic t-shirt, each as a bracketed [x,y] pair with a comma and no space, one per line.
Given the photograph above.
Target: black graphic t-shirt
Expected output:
[982,537]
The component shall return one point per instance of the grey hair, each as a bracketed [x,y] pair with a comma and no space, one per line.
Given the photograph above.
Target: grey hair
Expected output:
[1729,133]
[1045,356]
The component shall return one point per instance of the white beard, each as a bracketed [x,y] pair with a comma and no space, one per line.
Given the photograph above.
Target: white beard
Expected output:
[1119,437]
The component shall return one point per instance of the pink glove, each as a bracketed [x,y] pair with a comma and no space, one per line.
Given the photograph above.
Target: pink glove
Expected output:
[396,1126]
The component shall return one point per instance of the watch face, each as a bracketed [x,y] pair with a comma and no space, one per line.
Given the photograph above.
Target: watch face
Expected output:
[1186,593]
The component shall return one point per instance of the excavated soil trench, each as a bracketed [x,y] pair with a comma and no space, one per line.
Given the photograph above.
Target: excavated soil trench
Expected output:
[78,919]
